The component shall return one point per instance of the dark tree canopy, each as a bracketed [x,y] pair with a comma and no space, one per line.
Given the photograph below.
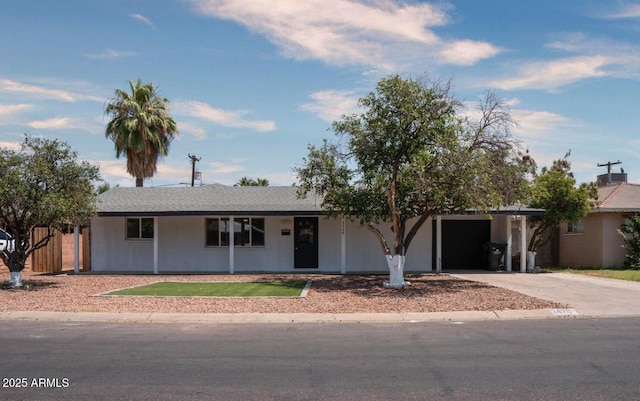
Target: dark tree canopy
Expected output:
[42,185]
[411,154]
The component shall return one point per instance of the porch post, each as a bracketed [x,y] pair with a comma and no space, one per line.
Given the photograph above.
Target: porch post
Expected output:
[508,251]
[76,249]
[155,245]
[231,245]
[523,244]
[438,244]
[343,246]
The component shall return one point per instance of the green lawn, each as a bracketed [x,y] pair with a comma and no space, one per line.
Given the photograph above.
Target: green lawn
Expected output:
[221,289]
[629,275]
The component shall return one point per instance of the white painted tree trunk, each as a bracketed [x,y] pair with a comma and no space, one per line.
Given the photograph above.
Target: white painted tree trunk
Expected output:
[16,279]
[531,261]
[396,272]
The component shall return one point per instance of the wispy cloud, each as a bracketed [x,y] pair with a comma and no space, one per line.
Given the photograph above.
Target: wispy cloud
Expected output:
[383,34]
[193,130]
[60,123]
[331,105]
[225,168]
[548,75]
[114,171]
[10,145]
[9,110]
[110,54]
[467,52]
[45,92]
[624,11]
[141,18]
[538,124]
[227,118]
[588,57]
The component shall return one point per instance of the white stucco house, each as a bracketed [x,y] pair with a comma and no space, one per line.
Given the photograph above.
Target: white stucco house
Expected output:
[229,229]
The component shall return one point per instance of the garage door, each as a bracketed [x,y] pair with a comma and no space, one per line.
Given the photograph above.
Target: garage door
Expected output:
[462,243]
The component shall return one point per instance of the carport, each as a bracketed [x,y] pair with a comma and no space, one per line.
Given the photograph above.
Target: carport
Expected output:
[458,243]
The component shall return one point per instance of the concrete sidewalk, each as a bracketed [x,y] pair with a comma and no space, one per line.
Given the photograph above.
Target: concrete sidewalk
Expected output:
[586,296]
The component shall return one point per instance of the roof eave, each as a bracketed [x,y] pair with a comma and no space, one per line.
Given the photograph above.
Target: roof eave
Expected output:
[211,213]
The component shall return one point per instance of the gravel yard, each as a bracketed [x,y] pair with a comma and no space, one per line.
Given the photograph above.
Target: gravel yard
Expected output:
[328,294]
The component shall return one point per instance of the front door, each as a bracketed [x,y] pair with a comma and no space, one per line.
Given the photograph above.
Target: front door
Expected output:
[305,238]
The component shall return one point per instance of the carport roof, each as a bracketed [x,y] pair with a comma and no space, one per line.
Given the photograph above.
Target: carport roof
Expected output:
[226,200]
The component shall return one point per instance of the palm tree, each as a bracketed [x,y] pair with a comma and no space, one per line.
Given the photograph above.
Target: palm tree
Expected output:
[140,128]
[262,182]
[245,182]
[250,182]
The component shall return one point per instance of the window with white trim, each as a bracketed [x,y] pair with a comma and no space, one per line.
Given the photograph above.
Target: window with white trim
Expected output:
[139,228]
[247,231]
[575,227]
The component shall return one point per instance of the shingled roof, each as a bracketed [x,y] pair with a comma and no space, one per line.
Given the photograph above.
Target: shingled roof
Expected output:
[225,200]
[206,200]
[622,197]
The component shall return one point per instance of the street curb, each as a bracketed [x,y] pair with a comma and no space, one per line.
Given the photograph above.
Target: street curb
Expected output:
[224,318]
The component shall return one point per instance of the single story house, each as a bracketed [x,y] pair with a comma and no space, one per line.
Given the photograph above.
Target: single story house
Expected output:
[233,229]
[594,241]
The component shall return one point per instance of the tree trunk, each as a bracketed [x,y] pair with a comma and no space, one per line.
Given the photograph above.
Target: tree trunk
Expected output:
[396,272]
[16,262]
[139,182]
[16,279]
[531,261]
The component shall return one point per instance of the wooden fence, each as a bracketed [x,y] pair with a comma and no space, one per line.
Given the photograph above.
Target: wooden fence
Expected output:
[59,252]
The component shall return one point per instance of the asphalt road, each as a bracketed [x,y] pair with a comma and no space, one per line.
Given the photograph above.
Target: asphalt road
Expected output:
[553,359]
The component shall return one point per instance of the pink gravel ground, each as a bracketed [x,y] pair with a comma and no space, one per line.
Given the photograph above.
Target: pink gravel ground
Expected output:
[328,294]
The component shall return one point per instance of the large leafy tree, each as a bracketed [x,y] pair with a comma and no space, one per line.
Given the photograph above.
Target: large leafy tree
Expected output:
[141,128]
[41,185]
[411,154]
[556,191]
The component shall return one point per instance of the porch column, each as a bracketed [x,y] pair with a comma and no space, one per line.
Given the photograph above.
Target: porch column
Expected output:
[438,244]
[155,245]
[76,249]
[523,244]
[508,252]
[231,245]
[343,246]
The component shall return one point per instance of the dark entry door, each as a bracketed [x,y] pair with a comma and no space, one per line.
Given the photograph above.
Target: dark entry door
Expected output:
[462,243]
[305,238]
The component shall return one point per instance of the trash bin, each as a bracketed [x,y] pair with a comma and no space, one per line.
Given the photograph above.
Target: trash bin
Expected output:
[495,255]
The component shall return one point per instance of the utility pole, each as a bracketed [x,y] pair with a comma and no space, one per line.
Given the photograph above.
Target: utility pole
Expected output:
[194,159]
[608,164]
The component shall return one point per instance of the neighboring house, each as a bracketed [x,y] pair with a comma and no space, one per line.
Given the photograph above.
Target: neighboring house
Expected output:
[594,241]
[230,229]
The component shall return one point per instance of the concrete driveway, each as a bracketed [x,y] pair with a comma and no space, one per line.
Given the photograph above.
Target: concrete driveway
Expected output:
[589,296]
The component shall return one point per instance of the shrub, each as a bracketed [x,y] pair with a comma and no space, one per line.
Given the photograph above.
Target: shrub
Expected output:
[630,231]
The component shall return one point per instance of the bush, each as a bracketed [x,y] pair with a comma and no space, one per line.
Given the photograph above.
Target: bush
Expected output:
[630,231]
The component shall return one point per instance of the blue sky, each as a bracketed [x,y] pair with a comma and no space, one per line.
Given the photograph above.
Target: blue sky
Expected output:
[251,83]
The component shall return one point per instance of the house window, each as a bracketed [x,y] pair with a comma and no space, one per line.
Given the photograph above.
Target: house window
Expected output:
[247,231]
[139,228]
[575,227]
